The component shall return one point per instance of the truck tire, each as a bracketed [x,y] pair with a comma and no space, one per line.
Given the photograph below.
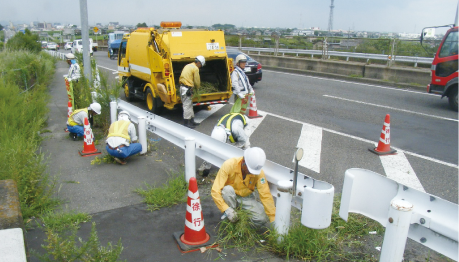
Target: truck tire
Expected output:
[127,91]
[452,99]
[151,101]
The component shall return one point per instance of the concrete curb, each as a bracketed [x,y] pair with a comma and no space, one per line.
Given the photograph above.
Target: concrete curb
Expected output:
[10,207]
[348,78]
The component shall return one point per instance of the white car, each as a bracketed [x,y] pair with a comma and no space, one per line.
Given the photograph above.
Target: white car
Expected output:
[68,45]
[52,46]
[78,46]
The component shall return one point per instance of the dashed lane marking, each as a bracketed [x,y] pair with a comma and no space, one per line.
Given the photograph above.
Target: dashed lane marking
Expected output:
[398,168]
[203,114]
[388,107]
[311,142]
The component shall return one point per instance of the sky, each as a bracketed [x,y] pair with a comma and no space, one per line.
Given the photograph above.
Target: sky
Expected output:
[402,16]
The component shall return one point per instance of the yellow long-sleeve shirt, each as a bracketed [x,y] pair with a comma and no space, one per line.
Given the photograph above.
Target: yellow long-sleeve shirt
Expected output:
[190,76]
[230,174]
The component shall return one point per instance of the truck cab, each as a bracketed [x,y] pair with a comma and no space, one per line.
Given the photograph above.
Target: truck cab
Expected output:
[150,62]
[444,69]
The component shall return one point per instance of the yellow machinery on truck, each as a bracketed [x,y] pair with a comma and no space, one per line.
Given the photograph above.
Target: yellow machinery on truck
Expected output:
[151,60]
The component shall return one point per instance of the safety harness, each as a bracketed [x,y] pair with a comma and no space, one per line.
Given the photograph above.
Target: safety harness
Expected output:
[227,121]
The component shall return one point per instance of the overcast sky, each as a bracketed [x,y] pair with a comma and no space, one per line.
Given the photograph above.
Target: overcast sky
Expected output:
[408,16]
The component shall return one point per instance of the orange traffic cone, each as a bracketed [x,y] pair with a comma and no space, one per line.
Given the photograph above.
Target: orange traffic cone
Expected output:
[253,108]
[69,108]
[69,112]
[195,235]
[89,148]
[384,141]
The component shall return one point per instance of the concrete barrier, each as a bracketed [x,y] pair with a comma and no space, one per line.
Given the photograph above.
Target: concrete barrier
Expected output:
[407,77]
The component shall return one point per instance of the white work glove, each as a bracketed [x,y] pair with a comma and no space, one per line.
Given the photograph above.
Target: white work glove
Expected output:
[242,96]
[231,214]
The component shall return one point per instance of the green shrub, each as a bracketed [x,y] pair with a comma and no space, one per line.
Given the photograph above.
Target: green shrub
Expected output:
[24,41]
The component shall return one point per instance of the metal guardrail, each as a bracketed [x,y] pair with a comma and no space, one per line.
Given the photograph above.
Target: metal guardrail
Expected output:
[403,211]
[409,59]
[56,54]
[217,152]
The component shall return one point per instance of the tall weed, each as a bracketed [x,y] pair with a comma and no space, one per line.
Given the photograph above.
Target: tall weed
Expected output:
[23,115]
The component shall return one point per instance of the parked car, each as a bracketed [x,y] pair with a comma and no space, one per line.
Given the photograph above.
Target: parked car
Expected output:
[68,45]
[77,46]
[252,68]
[52,46]
[44,44]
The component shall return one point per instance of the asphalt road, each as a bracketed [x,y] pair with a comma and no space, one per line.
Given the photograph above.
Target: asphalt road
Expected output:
[350,114]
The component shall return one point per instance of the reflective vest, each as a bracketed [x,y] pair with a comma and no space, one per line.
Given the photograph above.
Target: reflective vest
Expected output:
[227,121]
[70,120]
[120,129]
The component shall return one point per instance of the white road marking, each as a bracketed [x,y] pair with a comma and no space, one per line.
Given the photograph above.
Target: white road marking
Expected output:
[253,123]
[107,68]
[311,142]
[396,109]
[399,169]
[203,114]
[355,83]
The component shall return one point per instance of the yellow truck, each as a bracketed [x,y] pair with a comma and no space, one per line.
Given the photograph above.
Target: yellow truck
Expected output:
[151,60]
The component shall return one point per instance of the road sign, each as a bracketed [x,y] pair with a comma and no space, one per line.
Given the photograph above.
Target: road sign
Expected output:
[95,29]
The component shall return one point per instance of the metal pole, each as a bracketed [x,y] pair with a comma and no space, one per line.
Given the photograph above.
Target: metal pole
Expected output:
[94,96]
[190,158]
[283,207]
[396,231]
[85,38]
[142,134]
[113,109]
[295,178]
[456,21]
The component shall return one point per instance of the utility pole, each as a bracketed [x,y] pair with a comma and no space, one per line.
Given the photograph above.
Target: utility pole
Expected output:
[85,38]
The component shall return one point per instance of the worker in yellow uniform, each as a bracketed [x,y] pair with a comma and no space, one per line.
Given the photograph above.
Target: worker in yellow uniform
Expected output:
[188,79]
[235,183]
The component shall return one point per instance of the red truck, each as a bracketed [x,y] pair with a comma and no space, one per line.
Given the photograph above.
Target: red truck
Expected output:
[444,67]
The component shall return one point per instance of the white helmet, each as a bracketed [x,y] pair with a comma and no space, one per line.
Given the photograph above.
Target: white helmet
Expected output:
[219,133]
[95,107]
[241,58]
[124,114]
[255,159]
[201,59]
[69,56]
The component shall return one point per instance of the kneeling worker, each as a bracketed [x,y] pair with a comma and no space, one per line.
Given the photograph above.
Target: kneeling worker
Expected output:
[122,138]
[234,185]
[75,122]
[229,128]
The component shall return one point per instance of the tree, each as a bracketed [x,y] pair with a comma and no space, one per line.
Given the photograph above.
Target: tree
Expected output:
[142,25]
[1,27]
[24,41]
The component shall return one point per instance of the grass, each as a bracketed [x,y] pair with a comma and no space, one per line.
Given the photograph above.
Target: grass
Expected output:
[172,192]
[20,157]
[341,241]
[59,222]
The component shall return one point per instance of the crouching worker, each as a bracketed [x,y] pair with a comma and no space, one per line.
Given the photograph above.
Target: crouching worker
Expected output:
[122,139]
[235,183]
[229,128]
[75,122]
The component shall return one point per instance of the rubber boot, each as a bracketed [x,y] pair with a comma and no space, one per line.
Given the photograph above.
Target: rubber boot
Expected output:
[194,123]
[187,123]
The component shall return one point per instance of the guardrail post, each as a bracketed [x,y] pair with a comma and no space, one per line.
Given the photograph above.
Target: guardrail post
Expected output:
[190,158]
[142,134]
[347,59]
[416,64]
[283,207]
[396,230]
[113,111]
